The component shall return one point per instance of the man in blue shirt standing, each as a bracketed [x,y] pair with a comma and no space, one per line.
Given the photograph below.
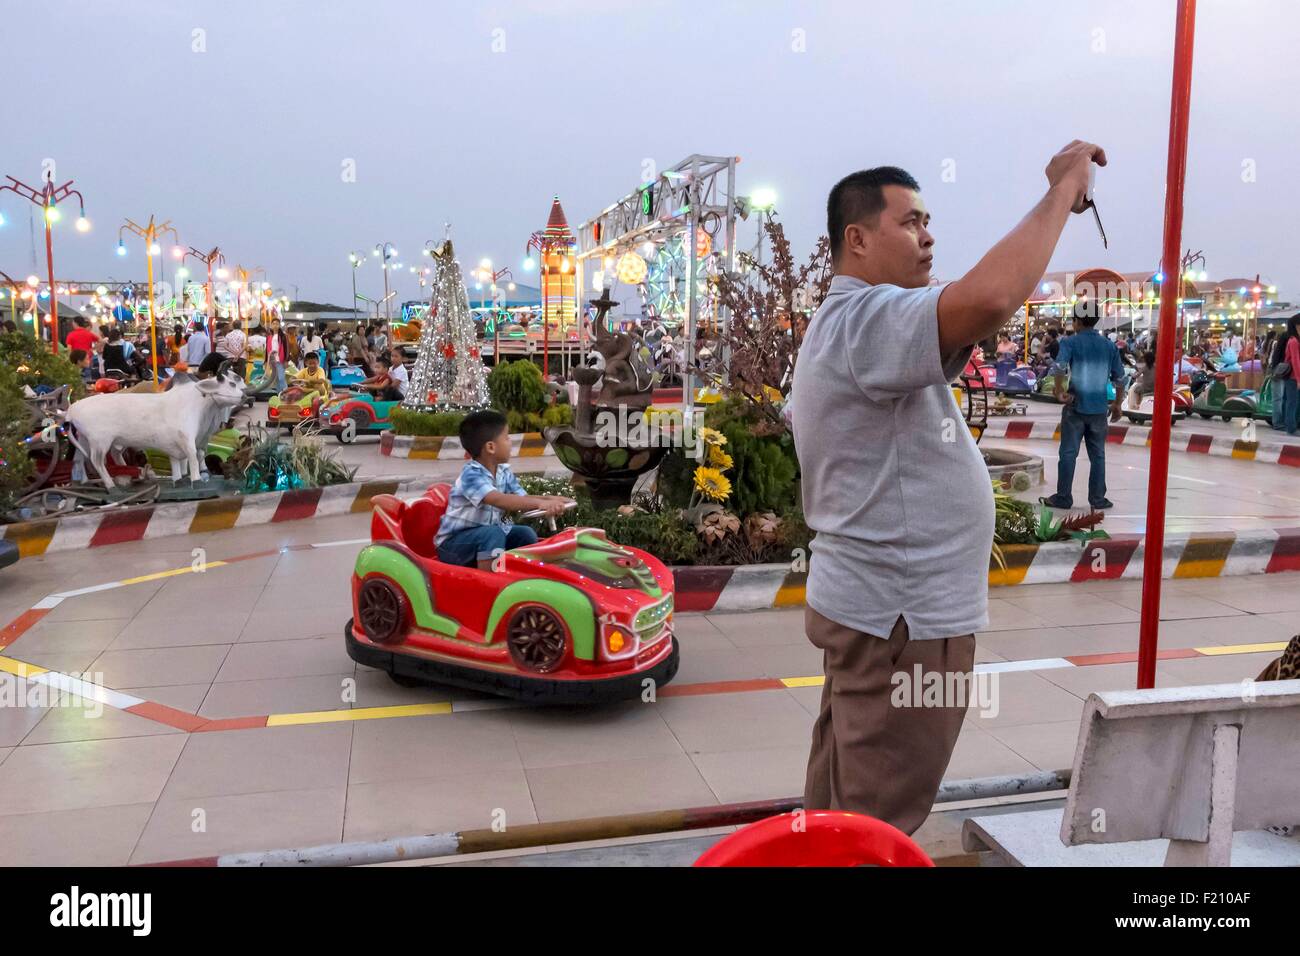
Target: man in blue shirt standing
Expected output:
[1092,361]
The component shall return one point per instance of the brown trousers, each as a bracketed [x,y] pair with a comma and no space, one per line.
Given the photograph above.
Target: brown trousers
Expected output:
[868,754]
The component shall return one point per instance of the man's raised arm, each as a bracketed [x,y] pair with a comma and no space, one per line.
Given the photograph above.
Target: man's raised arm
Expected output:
[980,302]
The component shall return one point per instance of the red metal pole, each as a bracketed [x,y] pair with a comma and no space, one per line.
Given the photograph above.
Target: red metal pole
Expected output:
[1153,558]
[212,310]
[54,293]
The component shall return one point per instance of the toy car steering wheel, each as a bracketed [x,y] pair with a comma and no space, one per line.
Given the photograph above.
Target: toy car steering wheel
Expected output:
[550,519]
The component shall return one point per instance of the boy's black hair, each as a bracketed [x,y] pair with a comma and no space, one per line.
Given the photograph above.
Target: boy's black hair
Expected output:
[311,355]
[77,356]
[479,428]
[859,197]
[1149,357]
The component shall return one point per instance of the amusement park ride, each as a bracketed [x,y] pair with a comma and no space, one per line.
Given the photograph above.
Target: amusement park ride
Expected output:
[691,206]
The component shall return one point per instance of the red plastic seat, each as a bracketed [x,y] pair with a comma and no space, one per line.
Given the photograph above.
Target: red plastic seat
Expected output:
[420,520]
[816,838]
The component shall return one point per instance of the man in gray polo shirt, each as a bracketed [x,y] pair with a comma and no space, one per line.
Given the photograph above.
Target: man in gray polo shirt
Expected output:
[894,486]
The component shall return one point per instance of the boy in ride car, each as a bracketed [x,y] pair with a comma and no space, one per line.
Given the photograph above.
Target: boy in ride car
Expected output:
[474,528]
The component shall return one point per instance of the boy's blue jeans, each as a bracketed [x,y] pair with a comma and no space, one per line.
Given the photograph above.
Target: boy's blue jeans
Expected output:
[1092,430]
[482,543]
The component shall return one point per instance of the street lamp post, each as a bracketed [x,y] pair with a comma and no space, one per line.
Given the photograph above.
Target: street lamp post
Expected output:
[48,197]
[150,235]
[356,259]
[385,251]
[485,274]
[207,259]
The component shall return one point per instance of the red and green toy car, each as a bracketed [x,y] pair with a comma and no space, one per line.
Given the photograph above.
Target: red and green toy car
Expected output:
[356,413]
[574,618]
[296,404]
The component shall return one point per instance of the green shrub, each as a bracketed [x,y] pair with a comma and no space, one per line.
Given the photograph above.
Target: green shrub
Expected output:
[558,415]
[764,467]
[533,422]
[409,422]
[15,466]
[518,387]
[659,532]
[1014,520]
[33,364]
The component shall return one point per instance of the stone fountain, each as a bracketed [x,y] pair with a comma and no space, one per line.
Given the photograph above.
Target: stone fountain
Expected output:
[608,446]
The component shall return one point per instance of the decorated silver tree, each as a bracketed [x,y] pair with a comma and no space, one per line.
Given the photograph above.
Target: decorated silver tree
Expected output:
[449,372]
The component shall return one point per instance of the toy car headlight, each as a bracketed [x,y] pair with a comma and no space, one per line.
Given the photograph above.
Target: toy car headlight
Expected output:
[617,638]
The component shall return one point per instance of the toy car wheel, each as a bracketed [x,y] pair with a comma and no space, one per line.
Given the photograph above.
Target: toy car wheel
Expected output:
[360,422]
[537,638]
[382,610]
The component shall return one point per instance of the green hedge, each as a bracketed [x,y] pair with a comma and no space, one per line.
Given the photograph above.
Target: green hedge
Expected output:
[408,422]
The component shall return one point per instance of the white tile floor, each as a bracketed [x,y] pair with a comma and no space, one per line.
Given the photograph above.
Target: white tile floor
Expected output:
[263,636]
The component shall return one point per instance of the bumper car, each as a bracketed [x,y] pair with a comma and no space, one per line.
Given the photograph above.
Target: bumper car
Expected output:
[220,447]
[356,413]
[574,618]
[1010,378]
[1144,410]
[1045,387]
[294,405]
[8,553]
[1227,403]
[341,376]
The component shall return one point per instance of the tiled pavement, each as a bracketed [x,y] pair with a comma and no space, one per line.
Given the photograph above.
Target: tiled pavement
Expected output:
[119,787]
[263,636]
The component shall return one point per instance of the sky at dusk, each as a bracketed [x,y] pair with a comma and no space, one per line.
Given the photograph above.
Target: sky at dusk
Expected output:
[476,114]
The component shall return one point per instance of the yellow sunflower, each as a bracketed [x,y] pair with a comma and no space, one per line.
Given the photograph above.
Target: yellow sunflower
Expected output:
[719,458]
[711,436]
[712,484]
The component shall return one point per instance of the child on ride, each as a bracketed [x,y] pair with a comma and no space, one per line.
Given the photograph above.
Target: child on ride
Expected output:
[1145,383]
[381,385]
[474,528]
[311,376]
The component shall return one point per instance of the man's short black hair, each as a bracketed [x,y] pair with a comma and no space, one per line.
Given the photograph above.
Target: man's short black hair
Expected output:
[859,197]
[1086,313]
[479,428]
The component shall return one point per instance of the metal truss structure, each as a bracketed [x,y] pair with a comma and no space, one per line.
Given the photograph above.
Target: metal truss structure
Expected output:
[699,193]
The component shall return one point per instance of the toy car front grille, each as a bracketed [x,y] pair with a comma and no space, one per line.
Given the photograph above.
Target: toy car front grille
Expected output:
[650,620]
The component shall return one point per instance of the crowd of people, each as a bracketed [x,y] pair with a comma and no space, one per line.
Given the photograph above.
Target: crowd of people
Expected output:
[1274,354]
[111,352]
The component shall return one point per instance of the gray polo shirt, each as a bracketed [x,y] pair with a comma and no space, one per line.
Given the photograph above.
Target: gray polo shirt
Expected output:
[893,483]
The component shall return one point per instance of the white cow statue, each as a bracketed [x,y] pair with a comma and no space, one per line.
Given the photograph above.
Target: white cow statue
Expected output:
[178,422]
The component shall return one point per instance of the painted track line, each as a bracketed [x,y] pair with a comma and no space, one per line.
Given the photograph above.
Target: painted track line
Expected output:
[194,723]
